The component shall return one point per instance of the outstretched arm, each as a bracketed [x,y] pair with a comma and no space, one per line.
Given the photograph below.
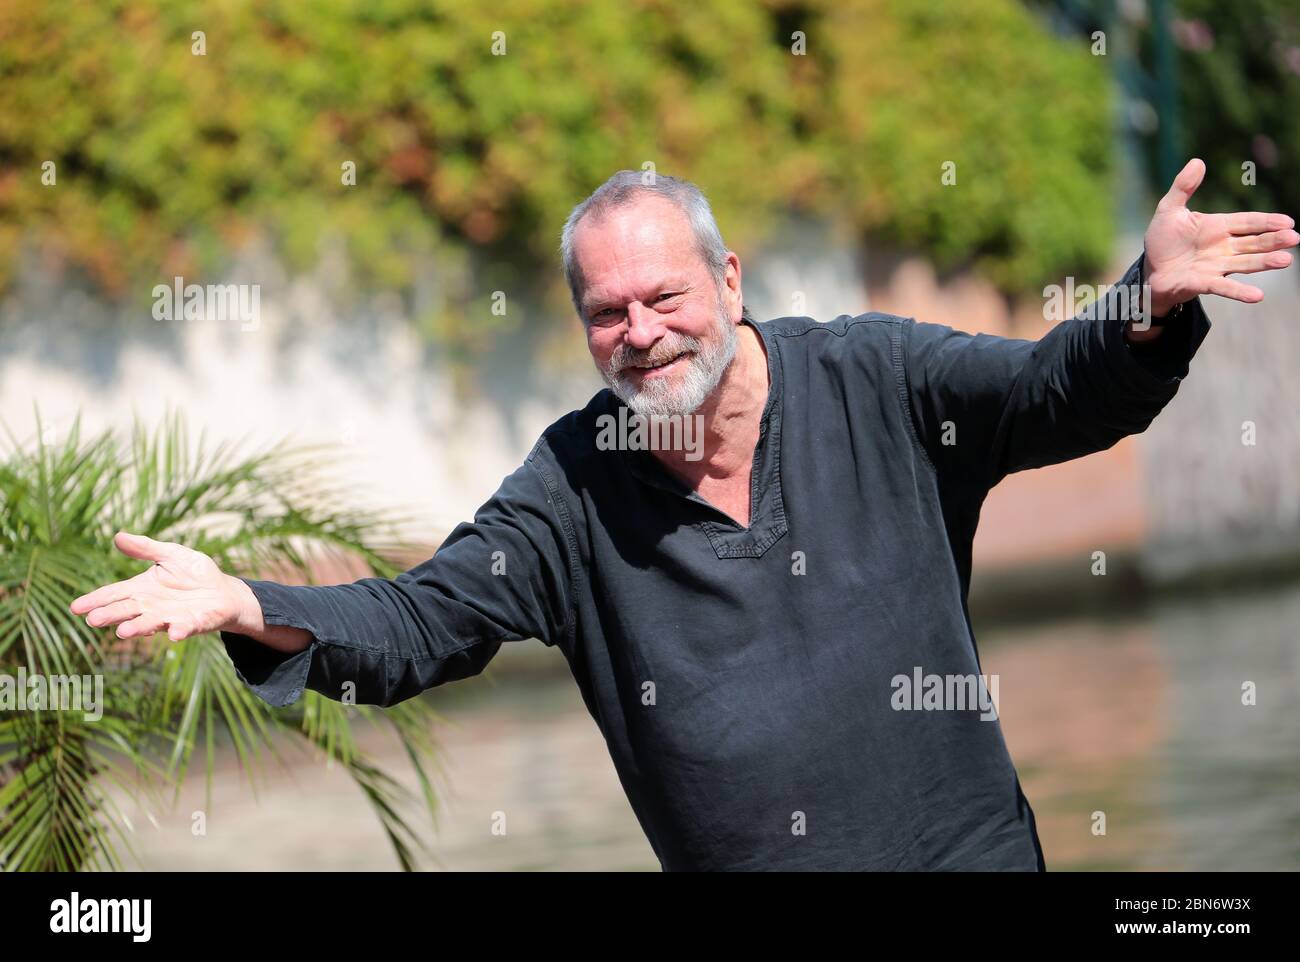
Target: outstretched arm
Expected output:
[985,406]
[503,577]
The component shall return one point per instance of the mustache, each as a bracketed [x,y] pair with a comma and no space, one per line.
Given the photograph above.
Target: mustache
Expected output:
[661,353]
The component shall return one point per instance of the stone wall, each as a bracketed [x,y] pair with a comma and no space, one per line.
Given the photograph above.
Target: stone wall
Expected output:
[410,434]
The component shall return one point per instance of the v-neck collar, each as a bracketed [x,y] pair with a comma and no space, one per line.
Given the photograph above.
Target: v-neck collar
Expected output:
[767,519]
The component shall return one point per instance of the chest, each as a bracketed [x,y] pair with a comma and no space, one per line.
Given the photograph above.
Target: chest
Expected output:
[729,495]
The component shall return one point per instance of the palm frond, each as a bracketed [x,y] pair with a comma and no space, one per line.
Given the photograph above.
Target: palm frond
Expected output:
[257,513]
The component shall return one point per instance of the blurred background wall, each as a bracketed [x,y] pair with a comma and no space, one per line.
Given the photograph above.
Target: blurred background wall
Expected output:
[393,177]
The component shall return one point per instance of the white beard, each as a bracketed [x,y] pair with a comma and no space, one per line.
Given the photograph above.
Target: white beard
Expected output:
[679,394]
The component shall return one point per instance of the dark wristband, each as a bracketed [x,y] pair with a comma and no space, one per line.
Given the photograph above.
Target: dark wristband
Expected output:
[1174,314]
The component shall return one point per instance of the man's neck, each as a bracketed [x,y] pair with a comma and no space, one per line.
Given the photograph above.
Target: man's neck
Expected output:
[730,416]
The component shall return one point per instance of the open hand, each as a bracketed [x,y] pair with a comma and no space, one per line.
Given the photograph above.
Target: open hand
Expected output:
[1189,253]
[183,592]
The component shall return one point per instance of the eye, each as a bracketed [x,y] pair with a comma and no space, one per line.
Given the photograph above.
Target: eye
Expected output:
[666,295]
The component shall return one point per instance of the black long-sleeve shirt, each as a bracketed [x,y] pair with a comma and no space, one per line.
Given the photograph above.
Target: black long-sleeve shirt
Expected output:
[746,679]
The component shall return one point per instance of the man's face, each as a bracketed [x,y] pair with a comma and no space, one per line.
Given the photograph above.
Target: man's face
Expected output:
[658,328]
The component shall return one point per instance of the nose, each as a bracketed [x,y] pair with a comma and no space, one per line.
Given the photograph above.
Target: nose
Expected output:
[644,326]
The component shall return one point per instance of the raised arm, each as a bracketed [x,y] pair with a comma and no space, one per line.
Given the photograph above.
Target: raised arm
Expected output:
[985,406]
[503,577]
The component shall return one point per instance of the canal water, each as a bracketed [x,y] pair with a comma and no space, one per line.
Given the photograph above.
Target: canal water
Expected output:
[1165,739]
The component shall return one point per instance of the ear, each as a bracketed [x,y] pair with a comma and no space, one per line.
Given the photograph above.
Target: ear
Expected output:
[733,296]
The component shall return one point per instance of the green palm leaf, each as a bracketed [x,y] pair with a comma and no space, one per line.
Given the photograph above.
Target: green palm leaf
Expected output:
[270,513]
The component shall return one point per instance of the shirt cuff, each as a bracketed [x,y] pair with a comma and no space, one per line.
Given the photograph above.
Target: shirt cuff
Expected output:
[1150,367]
[277,677]
[1169,355]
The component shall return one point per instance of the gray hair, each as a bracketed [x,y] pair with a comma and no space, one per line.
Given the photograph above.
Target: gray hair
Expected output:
[627,186]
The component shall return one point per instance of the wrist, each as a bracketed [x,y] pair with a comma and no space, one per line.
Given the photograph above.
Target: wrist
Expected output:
[248,620]
[1163,307]
[246,610]
[1136,334]
[1159,301]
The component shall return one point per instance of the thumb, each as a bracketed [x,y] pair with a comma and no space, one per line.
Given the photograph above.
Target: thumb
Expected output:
[1184,185]
[139,546]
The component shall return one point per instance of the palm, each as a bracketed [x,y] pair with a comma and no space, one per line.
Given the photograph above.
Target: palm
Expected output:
[183,592]
[193,585]
[1191,253]
[1175,236]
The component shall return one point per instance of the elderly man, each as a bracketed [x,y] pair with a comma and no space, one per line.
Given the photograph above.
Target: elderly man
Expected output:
[743,623]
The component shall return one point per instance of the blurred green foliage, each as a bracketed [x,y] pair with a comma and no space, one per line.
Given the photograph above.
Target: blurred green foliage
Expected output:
[469,161]
[1239,81]
[1234,80]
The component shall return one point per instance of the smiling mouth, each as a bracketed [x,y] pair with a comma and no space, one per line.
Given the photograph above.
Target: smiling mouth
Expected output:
[649,370]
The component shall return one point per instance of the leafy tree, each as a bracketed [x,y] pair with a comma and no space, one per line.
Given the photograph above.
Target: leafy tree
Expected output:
[1022,117]
[475,127]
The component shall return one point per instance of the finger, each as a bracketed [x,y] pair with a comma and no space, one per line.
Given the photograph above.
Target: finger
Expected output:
[1254,263]
[105,595]
[1184,185]
[146,549]
[114,613]
[182,626]
[180,630]
[148,623]
[1235,290]
[1263,243]
[1257,222]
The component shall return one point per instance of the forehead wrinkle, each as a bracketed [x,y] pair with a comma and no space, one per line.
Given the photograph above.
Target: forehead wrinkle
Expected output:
[663,242]
[631,281]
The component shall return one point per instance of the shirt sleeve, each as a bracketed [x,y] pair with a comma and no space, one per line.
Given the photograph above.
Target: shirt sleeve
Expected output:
[985,406]
[503,577]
